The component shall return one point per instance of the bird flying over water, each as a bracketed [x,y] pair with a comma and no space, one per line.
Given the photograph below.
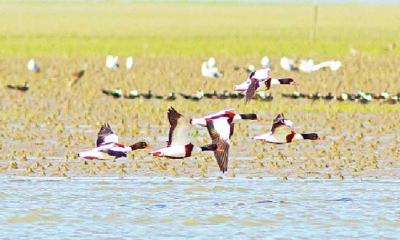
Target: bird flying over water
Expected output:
[108,146]
[282,132]
[223,121]
[179,143]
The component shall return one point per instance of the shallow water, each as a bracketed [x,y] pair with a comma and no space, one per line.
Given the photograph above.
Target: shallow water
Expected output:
[180,208]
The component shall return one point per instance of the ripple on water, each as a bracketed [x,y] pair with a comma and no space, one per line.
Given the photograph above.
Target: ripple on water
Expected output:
[219,219]
[36,215]
[255,222]
[3,195]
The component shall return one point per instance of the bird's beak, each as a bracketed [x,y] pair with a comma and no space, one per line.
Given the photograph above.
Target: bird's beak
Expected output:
[295,83]
[148,146]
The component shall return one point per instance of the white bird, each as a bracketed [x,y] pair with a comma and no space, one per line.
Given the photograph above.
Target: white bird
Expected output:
[288,64]
[209,70]
[309,66]
[265,62]
[33,66]
[112,62]
[108,147]
[129,63]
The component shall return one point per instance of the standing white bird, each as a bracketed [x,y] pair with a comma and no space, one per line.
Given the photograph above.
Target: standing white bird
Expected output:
[309,66]
[129,63]
[209,70]
[265,62]
[288,64]
[112,62]
[33,66]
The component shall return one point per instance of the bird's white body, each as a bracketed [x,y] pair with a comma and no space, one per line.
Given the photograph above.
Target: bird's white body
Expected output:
[220,121]
[176,151]
[245,85]
[273,138]
[102,152]
[265,62]
[309,66]
[33,66]
[209,70]
[112,62]
[287,64]
[129,63]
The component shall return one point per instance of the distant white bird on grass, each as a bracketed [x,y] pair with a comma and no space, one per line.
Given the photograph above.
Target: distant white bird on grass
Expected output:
[33,66]
[112,62]
[265,62]
[309,66]
[288,64]
[129,63]
[209,70]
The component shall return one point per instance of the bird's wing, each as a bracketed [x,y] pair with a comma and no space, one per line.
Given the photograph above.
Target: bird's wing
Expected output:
[278,121]
[179,129]
[251,90]
[106,135]
[222,152]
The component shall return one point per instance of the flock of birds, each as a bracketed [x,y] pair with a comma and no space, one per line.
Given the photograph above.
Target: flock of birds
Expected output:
[247,89]
[220,125]
[220,128]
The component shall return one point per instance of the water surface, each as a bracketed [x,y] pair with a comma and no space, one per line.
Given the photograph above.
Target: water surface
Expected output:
[180,208]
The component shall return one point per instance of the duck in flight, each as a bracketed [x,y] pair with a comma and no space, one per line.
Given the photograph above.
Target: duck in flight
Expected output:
[179,143]
[282,132]
[108,147]
[223,121]
[258,77]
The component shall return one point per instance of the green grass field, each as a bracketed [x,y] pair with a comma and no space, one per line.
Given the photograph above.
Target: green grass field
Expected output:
[35,28]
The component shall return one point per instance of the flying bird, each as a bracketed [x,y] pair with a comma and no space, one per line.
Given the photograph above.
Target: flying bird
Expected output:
[282,132]
[257,78]
[179,143]
[223,121]
[108,147]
